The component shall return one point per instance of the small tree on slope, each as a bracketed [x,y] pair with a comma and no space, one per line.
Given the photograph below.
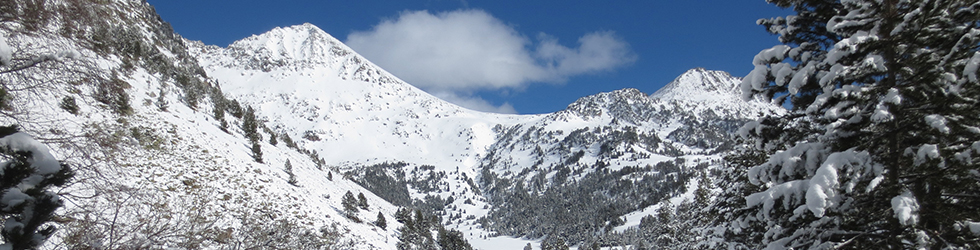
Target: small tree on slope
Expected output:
[26,204]
[381,222]
[350,205]
[879,149]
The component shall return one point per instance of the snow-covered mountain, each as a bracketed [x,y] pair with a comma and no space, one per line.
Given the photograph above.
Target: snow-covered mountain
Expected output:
[364,121]
[155,151]
[306,83]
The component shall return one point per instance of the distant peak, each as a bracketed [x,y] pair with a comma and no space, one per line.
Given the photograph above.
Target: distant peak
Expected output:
[699,81]
[298,33]
[704,73]
[627,92]
[302,42]
[305,27]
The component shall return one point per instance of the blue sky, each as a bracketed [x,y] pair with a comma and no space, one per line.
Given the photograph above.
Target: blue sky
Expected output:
[569,49]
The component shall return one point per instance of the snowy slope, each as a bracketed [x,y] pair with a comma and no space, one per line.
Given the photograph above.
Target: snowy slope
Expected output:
[152,169]
[360,113]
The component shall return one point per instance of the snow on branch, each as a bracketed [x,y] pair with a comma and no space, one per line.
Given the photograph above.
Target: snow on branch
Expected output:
[820,190]
[40,158]
[7,61]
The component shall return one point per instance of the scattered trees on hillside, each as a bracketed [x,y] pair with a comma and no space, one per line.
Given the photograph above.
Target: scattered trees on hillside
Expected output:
[553,243]
[578,210]
[880,148]
[416,234]
[452,239]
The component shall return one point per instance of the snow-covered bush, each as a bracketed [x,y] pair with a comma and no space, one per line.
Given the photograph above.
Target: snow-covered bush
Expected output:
[26,204]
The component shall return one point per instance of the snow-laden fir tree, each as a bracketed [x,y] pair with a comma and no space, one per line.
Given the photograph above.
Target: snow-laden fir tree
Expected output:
[26,174]
[879,148]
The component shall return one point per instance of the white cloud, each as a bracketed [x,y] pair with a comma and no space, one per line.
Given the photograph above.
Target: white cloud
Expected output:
[475,103]
[467,50]
[598,51]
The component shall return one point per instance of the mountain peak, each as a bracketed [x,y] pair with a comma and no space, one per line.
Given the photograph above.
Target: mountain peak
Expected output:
[699,82]
[303,42]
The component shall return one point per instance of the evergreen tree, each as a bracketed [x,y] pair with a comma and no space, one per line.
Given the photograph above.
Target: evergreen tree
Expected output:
[381,222]
[350,205]
[68,104]
[235,109]
[421,223]
[415,234]
[27,205]
[272,139]
[403,215]
[289,171]
[362,201]
[879,148]
[250,126]
[256,152]
[528,247]
[452,240]
[553,243]
[219,104]
[161,102]
[219,114]
[288,141]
